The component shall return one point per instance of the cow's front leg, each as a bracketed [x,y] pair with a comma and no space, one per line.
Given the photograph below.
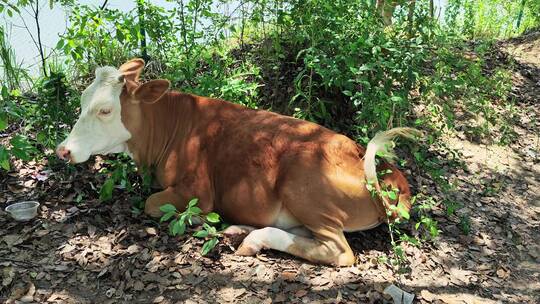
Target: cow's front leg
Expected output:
[158,199]
[235,230]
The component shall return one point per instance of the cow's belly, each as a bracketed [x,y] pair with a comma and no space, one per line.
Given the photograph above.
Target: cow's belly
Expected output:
[249,203]
[256,204]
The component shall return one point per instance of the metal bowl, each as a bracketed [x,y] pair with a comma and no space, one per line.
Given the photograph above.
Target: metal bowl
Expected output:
[23,211]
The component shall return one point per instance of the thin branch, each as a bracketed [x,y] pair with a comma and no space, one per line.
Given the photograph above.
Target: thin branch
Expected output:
[35,14]
[12,6]
[28,31]
[4,259]
[102,7]
[410,16]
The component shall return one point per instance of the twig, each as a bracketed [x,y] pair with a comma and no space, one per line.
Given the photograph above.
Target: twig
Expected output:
[3,259]
[102,7]
[40,45]
[37,43]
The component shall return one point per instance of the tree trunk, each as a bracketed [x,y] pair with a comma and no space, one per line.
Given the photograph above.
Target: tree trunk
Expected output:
[40,45]
[142,26]
[386,10]
[380,6]
[183,25]
[410,16]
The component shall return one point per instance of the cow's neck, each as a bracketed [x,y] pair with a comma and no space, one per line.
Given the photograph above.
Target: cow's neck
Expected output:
[162,125]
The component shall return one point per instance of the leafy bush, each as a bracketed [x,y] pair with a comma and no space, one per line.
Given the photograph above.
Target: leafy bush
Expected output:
[180,221]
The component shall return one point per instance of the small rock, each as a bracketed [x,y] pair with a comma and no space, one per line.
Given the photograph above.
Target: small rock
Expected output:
[109,293]
[399,296]
[151,231]
[427,295]
[300,293]
[288,276]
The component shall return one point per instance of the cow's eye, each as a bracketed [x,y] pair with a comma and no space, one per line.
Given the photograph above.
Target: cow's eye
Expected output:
[104,112]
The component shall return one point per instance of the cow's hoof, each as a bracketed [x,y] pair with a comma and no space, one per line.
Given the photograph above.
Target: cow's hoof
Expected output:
[238,230]
[247,250]
[250,246]
[156,214]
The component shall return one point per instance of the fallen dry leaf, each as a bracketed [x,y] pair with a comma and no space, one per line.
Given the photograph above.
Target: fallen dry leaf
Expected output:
[427,295]
[29,296]
[12,240]
[300,293]
[8,273]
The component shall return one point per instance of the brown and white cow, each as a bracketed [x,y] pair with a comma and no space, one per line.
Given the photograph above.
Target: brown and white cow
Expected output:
[293,185]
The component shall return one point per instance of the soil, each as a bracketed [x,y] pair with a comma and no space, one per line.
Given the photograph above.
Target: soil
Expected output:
[89,252]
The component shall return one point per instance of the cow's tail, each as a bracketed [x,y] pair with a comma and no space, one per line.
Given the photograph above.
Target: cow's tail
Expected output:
[382,144]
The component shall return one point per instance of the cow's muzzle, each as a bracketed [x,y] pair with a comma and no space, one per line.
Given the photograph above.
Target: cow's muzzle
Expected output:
[63,153]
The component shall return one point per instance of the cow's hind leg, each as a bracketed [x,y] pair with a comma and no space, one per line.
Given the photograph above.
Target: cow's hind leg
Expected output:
[328,250]
[158,199]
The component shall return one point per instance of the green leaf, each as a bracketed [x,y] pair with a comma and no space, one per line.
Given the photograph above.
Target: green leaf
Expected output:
[212,230]
[178,228]
[167,208]
[4,163]
[213,217]
[402,211]
[171,225]
[5,92]
[167,216]
[201,234]
[370,188]
[42,138]
[209,245]
[184,216]
[392,195]
[433,231]
[22,148]
[193,202]
[4,158]
[60,44]
[209,229]
[105,193]
[3,122]
[119,35]
[195,210]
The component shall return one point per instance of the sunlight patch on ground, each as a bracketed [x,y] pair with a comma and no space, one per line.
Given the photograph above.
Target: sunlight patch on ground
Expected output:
[480,156]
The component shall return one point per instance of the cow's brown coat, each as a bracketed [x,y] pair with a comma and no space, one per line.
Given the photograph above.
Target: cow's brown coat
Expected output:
[252,166]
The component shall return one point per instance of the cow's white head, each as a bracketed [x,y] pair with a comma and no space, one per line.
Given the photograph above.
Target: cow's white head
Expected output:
[100,129]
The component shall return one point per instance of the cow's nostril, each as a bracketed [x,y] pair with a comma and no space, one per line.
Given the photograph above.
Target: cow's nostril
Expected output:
[63,153]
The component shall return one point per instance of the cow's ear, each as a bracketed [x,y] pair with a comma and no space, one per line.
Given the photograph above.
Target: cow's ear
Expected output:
[151,91]
[132,69]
